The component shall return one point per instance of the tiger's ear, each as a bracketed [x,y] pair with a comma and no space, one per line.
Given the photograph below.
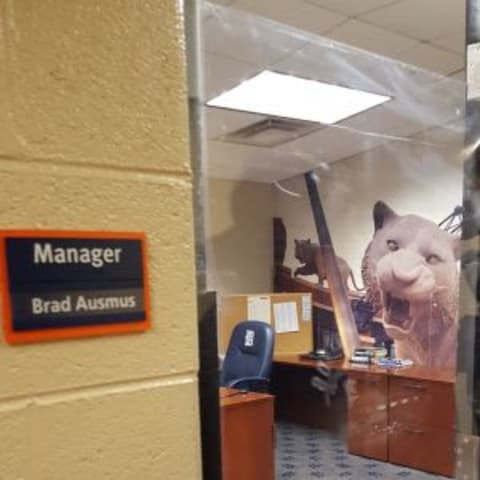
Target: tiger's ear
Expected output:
[382,214]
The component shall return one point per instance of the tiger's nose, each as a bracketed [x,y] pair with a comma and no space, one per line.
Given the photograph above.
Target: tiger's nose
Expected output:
[406,269]
[406,276]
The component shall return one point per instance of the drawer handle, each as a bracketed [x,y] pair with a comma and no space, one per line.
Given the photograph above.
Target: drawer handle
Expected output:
[415,386]
[413,430]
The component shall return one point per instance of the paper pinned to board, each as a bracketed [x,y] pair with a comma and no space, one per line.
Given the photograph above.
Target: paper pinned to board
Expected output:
[307,308]
[259,308]
[286,318]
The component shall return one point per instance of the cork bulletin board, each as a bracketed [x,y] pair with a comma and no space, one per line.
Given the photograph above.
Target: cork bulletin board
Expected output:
[277,309]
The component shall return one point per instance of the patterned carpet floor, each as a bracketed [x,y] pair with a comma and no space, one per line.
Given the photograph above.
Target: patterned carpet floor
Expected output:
[304,453]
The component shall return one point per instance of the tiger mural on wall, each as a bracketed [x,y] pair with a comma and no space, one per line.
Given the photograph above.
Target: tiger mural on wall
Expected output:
[411,274]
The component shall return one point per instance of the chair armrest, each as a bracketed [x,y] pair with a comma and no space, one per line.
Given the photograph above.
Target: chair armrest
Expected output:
[250,383]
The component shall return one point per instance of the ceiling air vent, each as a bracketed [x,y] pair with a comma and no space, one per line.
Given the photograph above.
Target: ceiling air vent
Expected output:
[270,132]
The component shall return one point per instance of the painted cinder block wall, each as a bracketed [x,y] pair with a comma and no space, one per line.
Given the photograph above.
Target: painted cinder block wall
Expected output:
[93,135]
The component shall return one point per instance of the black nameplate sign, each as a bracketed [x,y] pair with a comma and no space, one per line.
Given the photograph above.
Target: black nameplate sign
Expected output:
[58,285]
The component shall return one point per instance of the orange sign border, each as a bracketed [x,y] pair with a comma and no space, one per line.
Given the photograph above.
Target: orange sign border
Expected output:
[64,333]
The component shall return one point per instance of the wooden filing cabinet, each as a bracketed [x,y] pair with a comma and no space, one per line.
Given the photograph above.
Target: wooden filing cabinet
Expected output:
[367,415]
[247,435]
[422,424]
[403,420]
[403,416]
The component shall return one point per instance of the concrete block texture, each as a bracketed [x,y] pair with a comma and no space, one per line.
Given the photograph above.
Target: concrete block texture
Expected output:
[161,208]
[94,82]
[144,431]
[94,136]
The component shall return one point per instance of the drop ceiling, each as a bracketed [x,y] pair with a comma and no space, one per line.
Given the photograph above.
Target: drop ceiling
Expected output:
[411,50]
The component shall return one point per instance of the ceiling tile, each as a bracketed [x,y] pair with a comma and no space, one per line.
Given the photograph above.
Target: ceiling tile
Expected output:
[442,103]
[421,19]
[224,73]
[431,58]
[452,135]
[242,36]
[390,120]
[421,99]
[332,62]
[296,13]
[327,145]
[372,38]
[351,7]
[454,42]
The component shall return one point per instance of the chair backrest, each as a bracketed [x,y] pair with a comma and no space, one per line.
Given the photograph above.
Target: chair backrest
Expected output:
[250,351]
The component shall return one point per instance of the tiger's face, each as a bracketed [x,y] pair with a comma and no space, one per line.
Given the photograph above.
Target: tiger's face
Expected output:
[304,250]
[414,267]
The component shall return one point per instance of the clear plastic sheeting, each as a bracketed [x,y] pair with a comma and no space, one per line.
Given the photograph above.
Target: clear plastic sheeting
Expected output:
[391,182]
[426,107]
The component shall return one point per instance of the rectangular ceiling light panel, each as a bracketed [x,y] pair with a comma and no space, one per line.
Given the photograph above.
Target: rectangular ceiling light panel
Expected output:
[281,95]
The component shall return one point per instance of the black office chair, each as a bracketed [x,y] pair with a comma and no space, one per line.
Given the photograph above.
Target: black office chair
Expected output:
[248,361]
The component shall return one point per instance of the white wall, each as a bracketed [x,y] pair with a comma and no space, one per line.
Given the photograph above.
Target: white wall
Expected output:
[239,235]
[410,177]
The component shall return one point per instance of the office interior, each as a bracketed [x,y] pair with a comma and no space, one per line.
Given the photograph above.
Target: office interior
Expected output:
[390,179]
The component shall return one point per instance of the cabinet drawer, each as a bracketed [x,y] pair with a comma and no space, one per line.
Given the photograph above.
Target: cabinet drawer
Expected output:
[368,436]
[422,403]
[424,449]
[367,394]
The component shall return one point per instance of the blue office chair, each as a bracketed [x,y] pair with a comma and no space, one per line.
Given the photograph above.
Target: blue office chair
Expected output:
[248,361]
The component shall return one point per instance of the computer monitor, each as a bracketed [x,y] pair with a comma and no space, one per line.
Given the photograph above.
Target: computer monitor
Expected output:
[326,340]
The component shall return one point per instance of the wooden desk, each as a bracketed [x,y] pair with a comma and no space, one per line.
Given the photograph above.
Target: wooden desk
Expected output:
[404,416]
[414,372]
[247,435]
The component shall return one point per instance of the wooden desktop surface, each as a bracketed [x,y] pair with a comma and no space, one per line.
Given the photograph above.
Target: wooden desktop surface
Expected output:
[413,372]
[230,397]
